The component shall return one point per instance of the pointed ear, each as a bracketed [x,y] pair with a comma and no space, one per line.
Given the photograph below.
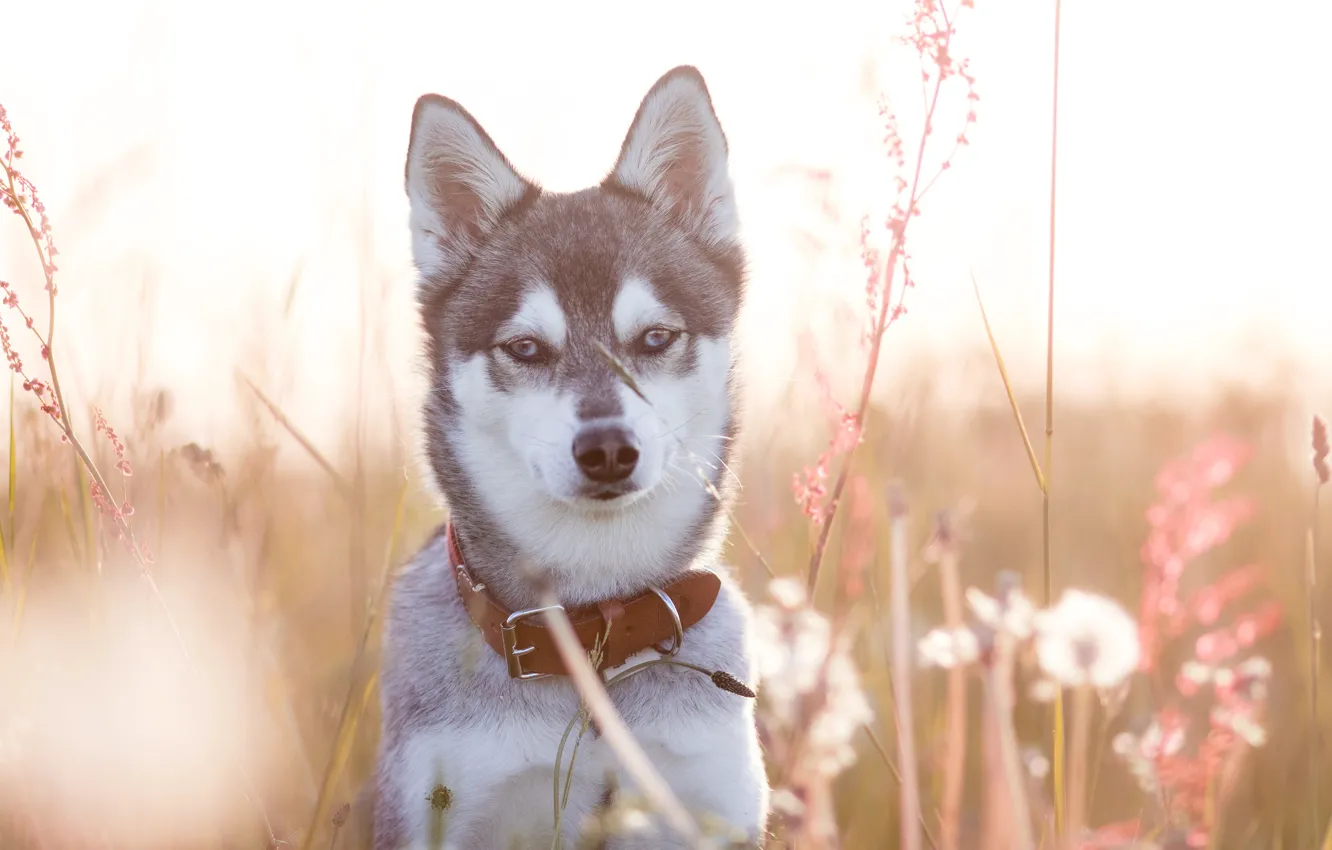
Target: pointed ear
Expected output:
[459,185]
[675,154]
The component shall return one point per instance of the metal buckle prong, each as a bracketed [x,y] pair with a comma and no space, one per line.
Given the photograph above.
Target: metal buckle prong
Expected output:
[513,654]
[675,620]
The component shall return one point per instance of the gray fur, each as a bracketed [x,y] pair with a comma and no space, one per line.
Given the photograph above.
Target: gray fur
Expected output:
[438,673]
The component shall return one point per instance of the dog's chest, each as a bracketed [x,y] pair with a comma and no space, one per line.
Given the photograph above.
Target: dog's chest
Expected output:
[501,769]
[488,744]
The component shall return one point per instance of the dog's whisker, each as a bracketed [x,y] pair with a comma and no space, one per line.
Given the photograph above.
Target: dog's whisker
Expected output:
[698,476]
[717,437]
[701,462]
[685,474]
[730,472]
[671,431]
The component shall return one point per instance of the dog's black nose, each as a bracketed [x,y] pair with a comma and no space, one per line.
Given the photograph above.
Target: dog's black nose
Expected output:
[605,453]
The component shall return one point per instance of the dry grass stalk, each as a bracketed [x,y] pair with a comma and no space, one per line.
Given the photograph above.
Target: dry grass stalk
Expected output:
[1000,700]
[955,724]
[1321,449]
[338,480]
[612,727]
[996,816]
[1077,769]
[903,652]
[897,776]
[356,701]
[1057,746]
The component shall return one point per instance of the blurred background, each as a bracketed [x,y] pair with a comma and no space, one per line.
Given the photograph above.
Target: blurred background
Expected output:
[225,185]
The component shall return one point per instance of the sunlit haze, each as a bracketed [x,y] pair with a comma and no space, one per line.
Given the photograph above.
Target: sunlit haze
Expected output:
[195,163]
[226,186]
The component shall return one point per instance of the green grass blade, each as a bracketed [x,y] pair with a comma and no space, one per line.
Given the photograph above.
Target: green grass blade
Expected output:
[27,572]
[5,587]
[1008,388]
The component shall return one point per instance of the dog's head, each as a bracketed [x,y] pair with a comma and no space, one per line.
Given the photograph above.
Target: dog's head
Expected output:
[580,344]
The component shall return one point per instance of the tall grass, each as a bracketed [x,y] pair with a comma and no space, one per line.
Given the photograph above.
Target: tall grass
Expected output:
[1109,454]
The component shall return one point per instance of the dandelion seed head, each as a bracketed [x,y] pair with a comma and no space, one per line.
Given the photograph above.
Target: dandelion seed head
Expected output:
[1010,613]
[1086,639]
[948,648]
[796,658]
[787,592]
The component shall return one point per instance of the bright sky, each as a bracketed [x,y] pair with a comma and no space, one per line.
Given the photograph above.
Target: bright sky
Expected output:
[196,159]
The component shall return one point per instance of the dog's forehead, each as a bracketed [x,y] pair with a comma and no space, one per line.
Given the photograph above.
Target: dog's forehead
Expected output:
[587,246]
[596,260]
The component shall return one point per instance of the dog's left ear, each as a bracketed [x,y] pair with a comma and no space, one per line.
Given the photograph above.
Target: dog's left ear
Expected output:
[675,155]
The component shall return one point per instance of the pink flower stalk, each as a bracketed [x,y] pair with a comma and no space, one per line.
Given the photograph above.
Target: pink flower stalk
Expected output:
[1206,604]
[930,34]
[810,487]
[1185,523]
[21,197]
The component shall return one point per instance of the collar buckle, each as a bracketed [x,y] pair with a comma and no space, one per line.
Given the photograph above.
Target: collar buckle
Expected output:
[513,653]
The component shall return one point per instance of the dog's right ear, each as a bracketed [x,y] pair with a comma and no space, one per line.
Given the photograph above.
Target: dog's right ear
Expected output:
[675,156]
[459,185]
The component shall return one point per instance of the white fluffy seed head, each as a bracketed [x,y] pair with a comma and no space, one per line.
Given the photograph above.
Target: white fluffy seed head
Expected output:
[1086,639]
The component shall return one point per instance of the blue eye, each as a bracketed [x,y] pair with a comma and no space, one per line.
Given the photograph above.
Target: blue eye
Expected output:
[526,350]
[657,340]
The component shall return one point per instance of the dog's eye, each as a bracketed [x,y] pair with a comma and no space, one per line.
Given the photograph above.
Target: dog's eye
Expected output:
[657,340]
[526,350]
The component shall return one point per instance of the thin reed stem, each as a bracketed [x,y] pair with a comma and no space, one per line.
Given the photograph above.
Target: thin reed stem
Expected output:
[1057,744]
[343,486]
[892,768]
[1321,450]
[955,740]
[1315,666]
[1077,780]
[996,817]
[1049,320]
[901,675]
[999,692]
[886,645]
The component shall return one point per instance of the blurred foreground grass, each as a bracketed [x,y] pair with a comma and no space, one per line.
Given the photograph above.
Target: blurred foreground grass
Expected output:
[106,741]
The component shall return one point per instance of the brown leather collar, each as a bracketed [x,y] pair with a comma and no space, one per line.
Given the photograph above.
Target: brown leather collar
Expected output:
[522,640]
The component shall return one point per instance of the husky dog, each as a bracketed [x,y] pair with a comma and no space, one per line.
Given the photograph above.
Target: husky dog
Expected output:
[579,424]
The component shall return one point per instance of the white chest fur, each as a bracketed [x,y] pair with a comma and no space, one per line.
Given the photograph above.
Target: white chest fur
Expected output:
[501,777]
